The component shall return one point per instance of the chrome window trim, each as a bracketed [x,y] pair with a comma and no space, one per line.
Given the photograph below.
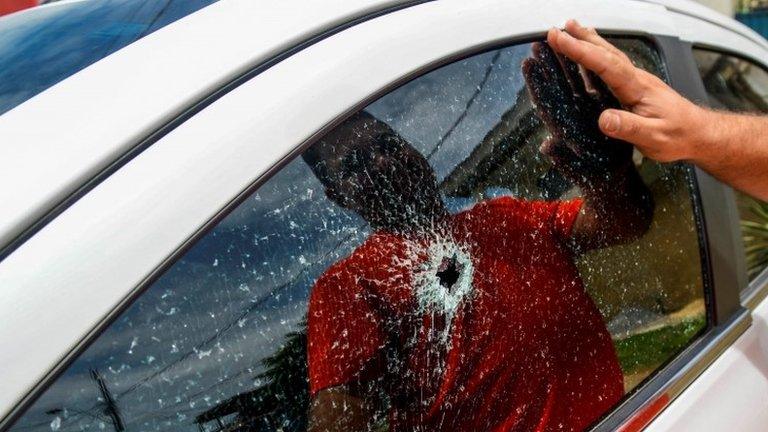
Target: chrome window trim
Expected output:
[756,292]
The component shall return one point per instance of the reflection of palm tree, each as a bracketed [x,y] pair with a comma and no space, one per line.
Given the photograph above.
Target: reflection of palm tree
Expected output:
[281,403]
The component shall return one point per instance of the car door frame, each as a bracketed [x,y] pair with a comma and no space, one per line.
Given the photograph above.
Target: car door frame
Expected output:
[139,178]
[738,363]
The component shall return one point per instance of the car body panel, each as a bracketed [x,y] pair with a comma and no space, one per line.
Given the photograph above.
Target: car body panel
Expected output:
[705,33]
[730,394]
[79,268]
[58,140]
[109,241]
[700,13]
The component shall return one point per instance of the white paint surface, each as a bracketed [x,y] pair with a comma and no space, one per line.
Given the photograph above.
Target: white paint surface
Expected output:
[64,280]
[731,394]
[57,140]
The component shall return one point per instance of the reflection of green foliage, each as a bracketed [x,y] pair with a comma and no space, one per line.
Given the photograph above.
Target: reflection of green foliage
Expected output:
[755,234]
[281,403]
[285,399]
[645,351]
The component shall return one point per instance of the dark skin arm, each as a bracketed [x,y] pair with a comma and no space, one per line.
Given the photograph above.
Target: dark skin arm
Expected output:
[618,207]
[335,410]
[348,407]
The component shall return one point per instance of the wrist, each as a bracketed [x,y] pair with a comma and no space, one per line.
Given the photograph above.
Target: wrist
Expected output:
[705,134]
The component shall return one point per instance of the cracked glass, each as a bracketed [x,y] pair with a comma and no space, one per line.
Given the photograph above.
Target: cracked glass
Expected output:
[467,252]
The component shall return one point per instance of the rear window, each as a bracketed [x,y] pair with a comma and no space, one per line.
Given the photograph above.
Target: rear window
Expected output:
[42,46]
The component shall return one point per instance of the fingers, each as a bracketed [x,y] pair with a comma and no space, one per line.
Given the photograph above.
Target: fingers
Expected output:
[614,69]
[573,75]
[540,92]
[590,35]
[562,71]
[550,99]
[627,126]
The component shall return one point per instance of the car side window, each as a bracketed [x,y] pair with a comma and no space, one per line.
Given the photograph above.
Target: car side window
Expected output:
[736,84]
[467,252]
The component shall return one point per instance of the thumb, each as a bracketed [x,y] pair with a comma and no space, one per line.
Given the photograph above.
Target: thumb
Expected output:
[624,125]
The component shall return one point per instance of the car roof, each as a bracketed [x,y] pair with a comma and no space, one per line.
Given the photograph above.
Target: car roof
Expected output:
[87,125]
[58,140]
[42,46]
[699,11]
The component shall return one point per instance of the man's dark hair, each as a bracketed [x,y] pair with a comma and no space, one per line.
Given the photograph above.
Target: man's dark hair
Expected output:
[312,155]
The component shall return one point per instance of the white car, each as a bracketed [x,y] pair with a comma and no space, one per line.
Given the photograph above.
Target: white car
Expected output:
[191,237]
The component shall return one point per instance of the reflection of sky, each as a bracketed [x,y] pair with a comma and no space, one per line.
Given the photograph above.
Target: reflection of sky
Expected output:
[424,110]
[197,336]
[42,46]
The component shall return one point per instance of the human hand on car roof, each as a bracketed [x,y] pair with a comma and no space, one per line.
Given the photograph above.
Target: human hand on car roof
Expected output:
[661,123]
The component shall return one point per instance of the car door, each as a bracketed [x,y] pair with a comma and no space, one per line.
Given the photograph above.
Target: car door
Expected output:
[180,284]
[732,82]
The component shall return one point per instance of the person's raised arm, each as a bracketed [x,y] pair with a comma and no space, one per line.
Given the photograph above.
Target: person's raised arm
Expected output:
[665,126]
[617,206]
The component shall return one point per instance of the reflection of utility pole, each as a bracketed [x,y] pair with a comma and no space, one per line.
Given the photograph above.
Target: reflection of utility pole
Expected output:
[111,407]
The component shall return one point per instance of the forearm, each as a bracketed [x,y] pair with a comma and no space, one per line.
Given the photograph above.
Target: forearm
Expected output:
[335,410]
[734,149]
[617,209]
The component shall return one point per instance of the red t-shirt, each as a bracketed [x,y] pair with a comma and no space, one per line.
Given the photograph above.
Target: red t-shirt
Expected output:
[527,350]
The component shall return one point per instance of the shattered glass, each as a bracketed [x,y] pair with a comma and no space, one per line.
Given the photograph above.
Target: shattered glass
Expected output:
[445,259]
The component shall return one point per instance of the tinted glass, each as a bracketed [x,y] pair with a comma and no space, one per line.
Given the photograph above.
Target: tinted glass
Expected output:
[40,47]
[735,84]
[433,263]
